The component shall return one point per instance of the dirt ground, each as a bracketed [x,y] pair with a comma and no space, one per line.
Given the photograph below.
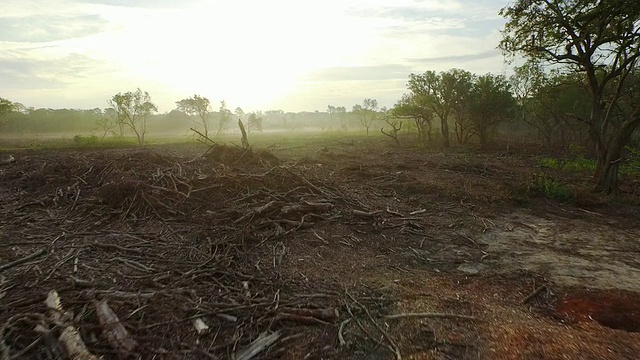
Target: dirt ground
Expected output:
[328,250]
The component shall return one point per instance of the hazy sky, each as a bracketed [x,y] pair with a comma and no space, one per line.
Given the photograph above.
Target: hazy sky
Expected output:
[289,55]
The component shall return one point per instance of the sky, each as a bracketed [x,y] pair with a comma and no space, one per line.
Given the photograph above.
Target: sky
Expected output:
[258,55]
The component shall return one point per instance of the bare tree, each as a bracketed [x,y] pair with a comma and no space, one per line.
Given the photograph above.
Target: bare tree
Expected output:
[366,113]
[133,109]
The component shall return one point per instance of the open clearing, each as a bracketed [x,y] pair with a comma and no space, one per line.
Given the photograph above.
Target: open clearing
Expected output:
[316,247]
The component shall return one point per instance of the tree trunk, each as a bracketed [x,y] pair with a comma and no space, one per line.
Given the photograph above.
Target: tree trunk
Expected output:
[444,125]
[483,135]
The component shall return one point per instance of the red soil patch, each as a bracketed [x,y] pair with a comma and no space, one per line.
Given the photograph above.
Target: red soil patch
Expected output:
[612,308]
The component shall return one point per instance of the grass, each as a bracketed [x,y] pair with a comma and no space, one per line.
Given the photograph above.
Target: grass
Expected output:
[578,163]
[547,186]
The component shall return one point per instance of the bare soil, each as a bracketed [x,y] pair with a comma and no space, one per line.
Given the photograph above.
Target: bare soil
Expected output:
[339,250]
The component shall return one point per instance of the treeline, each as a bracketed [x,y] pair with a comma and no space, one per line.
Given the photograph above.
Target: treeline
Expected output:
[17,119]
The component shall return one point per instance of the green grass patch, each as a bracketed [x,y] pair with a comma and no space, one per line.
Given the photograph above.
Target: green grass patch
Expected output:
[544,185]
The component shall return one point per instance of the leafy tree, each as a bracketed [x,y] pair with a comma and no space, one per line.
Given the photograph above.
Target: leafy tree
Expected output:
[437,94]
[549,101]
[6,106]
[239,112]
[254,123]
[366,113]
[224,116]
[197,106]
[598,39]
[491,103]
[461,83]
[133,109]
[414,106]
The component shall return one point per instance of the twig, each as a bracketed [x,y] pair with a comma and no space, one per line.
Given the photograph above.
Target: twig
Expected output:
[392,344]
[25,259]
[533,294]
[340,336]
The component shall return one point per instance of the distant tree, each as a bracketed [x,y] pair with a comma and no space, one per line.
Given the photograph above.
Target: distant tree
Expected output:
[461,83]
[6,106]
[134,109]
[597,39]
[224,117]
[415,107]
[254,123]
[437,94]
[395,122]
[197,106]
[366,113]
[105,125]
[491,103]
[239,112]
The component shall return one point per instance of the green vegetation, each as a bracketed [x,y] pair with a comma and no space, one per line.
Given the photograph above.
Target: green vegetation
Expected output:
[590,44]
[545,185]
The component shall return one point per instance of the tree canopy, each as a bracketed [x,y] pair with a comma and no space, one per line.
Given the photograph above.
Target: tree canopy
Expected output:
[597,39]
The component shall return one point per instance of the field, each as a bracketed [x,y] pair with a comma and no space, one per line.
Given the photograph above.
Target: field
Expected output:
[314,247]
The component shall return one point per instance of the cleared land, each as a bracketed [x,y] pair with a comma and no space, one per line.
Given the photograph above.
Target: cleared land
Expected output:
[331,249]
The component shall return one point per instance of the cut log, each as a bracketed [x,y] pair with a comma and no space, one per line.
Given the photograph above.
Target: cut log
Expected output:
[262,342]
[70,338]
[113,329]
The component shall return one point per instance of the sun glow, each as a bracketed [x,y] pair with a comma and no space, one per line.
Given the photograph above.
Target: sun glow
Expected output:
[244,52]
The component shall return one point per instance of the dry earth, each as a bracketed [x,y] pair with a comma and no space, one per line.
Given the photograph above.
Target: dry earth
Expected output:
[338,250]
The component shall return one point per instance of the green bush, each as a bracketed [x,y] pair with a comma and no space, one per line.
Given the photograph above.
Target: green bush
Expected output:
[544,185]
[80,140]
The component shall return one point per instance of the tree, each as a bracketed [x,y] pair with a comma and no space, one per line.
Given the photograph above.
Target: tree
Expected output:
[224,117]
[197,106]
[366,113]
[239,112]
[461,83]
[254,123]
[415,107]
[548,101]
[394,121]
[6,106]
[133,109]
[598,39]
[490,103]
[436,91]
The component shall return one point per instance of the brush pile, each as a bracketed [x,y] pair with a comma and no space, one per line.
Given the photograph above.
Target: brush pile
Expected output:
[119,254]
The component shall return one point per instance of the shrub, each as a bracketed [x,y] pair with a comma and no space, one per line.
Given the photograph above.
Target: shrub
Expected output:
[542,184]
[80,140]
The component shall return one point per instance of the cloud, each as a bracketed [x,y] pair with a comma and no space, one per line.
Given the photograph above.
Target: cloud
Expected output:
[21,71]
[458,58]
[45,28]
[149,4]
[361,73]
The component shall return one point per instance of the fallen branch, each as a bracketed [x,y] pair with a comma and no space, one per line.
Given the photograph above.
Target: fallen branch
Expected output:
[392,344]
[262,342]
[533,294]
[340,330]
[25,259]
[113,329]
[70,337]
[365,213]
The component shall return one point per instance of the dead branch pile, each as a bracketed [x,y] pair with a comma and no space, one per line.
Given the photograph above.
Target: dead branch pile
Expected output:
[125,253]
